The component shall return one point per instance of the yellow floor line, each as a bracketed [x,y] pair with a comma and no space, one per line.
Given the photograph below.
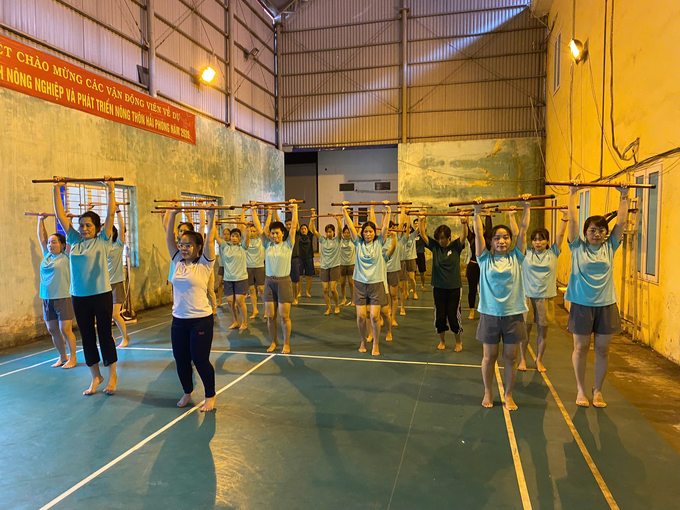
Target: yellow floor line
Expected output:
[521,480]
[586,454]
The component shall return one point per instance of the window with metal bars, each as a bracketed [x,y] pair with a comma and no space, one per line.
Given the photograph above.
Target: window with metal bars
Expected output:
[79,198]
[195,216]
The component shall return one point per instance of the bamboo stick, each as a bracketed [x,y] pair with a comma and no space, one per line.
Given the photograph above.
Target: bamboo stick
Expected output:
[93,204]
[54,180]
[49,215]
[340,204]
[275,203]
[500,200]
[539,208]
[185,200]
[599,184]
[195,207]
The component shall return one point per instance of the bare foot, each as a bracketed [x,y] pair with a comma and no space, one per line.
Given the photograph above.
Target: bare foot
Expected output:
[375,351]
[510,403]
[265,316]
[124,342]
[308,294]
[415,296]
[388,338]
[243,326]
[208,404]
[59,363]
[582,400]
[362,347]
[327,312]
[255,314]
[458,347]
[522,367]
[441,346]
[394,323]
[540,367]
[214,310]
[295,301]
[337,309]
[422,287]
[93,386]
[370,338]
[471,315]
[70,363]
[598,401]
[111,386]
[488,400]
[182,402]
[273,346]
[402,312]
[234,325]
[286,349]
[343,302]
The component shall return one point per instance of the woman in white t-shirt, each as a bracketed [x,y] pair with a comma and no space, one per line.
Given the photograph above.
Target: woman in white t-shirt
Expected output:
[192,313]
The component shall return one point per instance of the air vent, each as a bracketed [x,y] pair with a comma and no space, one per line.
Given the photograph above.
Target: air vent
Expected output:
[347,186]
[382,186]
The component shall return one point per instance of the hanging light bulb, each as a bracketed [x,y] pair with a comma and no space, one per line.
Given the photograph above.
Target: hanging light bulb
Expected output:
[578,51]
[208,74]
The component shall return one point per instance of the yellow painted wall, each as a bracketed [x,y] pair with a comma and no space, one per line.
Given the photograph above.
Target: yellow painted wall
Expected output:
[646,105]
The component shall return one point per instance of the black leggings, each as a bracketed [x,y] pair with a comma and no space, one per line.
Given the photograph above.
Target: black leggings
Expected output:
[472,274]
[447,306]
[87,309]
[191,341]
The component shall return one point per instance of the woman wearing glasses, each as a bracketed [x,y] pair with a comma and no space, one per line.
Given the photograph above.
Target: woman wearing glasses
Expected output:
[591,292]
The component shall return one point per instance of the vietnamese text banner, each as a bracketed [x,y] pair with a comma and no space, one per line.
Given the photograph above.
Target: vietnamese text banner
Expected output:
[39,74]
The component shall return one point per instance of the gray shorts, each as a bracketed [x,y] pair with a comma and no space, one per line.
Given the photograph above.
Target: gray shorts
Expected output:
[369,294]
[403,274]
[393,278]
[118,290]
[239,288]
[278,289]
[601,320]
[510,329]
[347,270]
[541,311]
[58,309]
[330,275]
[410,265]
[256,276]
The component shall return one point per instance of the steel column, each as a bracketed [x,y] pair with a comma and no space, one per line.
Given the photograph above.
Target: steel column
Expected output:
[279,125]
[231,68]
[404,71]
[151,39]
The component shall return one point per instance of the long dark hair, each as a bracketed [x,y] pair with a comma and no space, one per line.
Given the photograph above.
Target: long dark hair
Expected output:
[61,238]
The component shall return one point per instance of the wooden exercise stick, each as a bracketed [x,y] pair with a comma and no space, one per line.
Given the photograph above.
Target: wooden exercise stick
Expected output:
[599,184]
[49,215]
[195,208]
[94,204]
[198,200]
[340,204]
[323,216]
[54,180]
[284,202]
[538,208]
[499,200]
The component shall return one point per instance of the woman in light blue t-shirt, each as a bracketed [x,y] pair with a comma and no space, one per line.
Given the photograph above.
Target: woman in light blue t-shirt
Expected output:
[501,300]
[591,292]
[55,280]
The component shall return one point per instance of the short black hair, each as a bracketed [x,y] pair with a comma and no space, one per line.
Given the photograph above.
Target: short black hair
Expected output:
[345,228]
[543,232]
[96,220]
[235,231]
[277,225]
[598,221]
[197,238]
[442,230]
[496,228]
[368,224]
[114,235]
[61,238]
[330,226]
[189,225]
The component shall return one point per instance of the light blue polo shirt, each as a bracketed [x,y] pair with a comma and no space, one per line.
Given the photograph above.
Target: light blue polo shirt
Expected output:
[115,262]
[55,276]
[592,277]
[233,258]
[369,266]
[410,246]
[330,252]
[347,252]
[540,273]
[394,262]
[501,290]
[89,264]
[255,254]
[277,258]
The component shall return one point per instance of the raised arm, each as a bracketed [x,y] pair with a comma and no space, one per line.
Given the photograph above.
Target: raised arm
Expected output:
[393,244]
[312,226]
[121,225]
[110,208]
[524,225]
[512,216]
[59,211]
[209,248]
[349,222]
[170,239]
[338,220]
[422,228]
[217,236]
[480,244]
[572,231]
[371,214]
[464,230]
[386,220]
[562,229]
[294,224]
[622,215]
[42,232]
[275,214]
[264,234]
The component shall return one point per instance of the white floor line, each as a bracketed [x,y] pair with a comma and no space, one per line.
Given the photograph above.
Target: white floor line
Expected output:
[139,445]
[79,350]
[581,445]
[406,307]
[27,356]
[521,480]
[313,356]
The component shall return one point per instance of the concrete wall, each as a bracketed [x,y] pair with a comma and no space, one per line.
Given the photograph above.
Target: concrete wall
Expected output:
[39,140]
[364,166]
[437,173]
[646,97]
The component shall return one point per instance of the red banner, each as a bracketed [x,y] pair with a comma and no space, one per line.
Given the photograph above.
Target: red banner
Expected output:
[39,74]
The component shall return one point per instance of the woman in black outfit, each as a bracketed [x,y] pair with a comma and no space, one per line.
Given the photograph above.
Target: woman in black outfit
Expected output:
[472,269]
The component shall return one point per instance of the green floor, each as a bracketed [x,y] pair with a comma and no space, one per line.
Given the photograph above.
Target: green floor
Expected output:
[324,428]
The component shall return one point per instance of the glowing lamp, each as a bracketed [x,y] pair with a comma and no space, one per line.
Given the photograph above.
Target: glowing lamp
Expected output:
[579,52]
[208,74]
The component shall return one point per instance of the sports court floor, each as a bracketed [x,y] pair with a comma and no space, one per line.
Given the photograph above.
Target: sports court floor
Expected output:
[323,428]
